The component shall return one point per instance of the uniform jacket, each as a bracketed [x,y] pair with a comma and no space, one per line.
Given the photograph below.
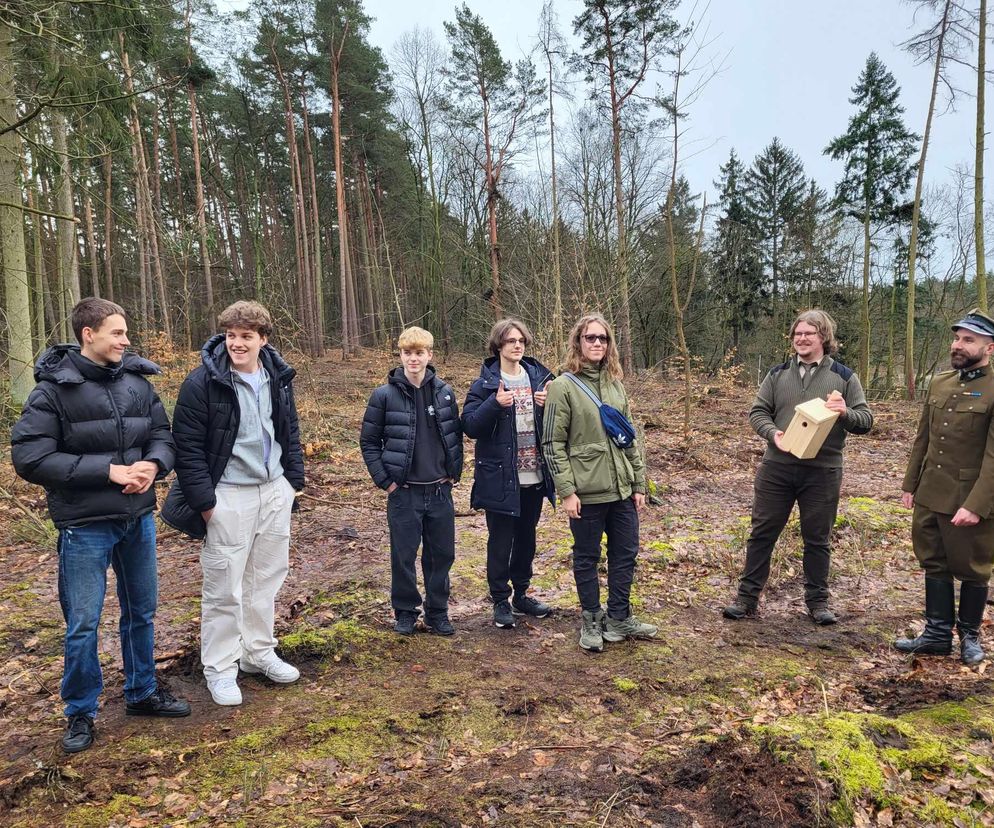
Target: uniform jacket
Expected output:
[495,478]
[952,457]
[205,424]
[389,426]
[80,419]
[582,458]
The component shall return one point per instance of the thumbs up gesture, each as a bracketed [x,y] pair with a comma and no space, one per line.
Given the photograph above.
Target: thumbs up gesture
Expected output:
[504,397]
[541,395]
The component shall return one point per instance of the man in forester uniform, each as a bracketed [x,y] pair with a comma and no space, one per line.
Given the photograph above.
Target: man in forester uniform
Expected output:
[950,484]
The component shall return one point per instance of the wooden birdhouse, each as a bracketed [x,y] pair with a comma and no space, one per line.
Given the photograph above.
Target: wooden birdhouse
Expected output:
[808,429]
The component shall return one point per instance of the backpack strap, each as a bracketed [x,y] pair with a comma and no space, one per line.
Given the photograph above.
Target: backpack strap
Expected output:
[582,386]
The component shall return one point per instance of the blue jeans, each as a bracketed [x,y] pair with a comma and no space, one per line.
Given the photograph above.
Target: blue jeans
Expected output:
[84,553]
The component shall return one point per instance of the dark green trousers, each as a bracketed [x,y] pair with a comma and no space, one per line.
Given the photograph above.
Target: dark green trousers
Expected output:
[946,551]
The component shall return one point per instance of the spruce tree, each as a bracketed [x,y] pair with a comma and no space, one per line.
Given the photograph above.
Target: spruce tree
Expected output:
[877,149]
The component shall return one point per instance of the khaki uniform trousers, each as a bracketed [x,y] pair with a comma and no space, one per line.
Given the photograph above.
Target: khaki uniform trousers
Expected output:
[946,551]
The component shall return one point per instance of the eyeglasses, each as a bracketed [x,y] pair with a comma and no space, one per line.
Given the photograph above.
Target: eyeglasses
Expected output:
[805,334]
[590,339]
[515,342]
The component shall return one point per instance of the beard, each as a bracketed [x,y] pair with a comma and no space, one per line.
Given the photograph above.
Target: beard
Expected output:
[963,361]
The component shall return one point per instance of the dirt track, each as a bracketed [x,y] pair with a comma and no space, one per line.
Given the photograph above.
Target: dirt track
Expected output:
[701,727]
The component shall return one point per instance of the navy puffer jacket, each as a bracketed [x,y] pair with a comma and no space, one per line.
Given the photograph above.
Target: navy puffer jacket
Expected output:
[495,477]
[80,419]
[388,428]
[205,424]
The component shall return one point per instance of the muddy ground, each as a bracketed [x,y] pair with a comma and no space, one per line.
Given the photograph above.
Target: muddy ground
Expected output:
[766,722]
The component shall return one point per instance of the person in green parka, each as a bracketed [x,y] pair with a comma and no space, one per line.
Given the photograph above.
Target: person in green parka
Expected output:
[602,487]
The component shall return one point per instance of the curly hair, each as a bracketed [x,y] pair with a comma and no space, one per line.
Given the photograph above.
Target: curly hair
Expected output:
[246,314]
[611,360]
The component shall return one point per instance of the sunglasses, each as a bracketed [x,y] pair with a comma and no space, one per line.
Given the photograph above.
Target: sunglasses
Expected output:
[590,339]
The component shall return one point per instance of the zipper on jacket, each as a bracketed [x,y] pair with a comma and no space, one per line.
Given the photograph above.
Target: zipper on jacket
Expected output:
[120,435]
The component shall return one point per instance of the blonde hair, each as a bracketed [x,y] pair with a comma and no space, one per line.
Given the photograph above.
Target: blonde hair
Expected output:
[611,360]
[821,322]
[501,329]
[413,338]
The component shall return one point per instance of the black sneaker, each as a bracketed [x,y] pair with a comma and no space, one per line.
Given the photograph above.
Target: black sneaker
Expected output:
[503,617]
[79,733]
[738,610]
[440,625]
[405,623]
[160,703]
[822,615]
[526,605]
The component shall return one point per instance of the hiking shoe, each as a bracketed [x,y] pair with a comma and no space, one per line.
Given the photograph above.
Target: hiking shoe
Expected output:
[79,733]
[526,605]
[405,623]
[225,692]
[440,625]
[160,703]
[503,617]
[591,636]
[631,627]
[739,609]
[822,615]
[273,668]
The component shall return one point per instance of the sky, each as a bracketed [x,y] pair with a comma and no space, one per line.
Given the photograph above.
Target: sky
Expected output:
[788,70]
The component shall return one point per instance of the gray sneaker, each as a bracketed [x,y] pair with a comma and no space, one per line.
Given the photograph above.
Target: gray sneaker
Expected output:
[631,627]
[503,617]
[590,631]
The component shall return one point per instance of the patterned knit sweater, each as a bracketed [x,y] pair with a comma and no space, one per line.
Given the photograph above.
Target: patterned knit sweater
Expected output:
[783,389]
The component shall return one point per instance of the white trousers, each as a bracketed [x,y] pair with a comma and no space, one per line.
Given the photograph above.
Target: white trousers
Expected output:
[245,559]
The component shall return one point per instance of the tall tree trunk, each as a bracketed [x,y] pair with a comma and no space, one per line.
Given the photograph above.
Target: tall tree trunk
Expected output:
[864,353]
[349,336]
[909,323]
[198,179]
[557,278]
[317,265]
[38,330]
[624,325]
[68,245]
[17,294]
[978,170]
[108,168]
[91,243]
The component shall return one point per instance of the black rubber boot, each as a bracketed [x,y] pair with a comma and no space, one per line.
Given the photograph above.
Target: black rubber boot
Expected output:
[972,599]
[940,613]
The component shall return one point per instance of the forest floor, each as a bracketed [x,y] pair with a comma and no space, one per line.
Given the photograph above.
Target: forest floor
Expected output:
[766,722]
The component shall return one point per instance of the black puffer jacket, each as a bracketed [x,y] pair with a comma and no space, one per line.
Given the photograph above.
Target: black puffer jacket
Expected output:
[495,478]
[388,428]
[80,419]
[205,423]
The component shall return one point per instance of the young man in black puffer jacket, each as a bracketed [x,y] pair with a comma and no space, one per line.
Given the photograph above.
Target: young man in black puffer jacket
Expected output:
[238,463]
[95,435]
[412,443]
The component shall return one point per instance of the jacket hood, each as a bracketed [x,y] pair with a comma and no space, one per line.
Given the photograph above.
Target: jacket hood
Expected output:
[59,363]
[490,371]
[398,377]
[214,355]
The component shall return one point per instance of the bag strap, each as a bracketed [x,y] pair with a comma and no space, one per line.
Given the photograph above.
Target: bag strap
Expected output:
[583,387]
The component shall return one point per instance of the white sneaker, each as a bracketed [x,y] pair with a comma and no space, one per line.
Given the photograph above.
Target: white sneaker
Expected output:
[273,668]
[225,692]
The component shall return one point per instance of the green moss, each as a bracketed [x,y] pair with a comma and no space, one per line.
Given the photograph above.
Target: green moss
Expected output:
[625,685]
[99,816]
[865,514]
[951,713]
[344,640]
[937,811]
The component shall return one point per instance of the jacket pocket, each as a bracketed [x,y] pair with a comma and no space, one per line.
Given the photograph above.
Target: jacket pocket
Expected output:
[590,464]
[488,483]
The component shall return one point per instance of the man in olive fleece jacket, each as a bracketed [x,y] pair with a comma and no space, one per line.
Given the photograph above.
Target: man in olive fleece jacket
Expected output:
[783,479]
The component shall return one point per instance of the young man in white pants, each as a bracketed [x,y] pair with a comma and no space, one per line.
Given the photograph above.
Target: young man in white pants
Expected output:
[237,470]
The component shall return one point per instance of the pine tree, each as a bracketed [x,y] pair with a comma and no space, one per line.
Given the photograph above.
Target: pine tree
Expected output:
[774,188]
[876,148]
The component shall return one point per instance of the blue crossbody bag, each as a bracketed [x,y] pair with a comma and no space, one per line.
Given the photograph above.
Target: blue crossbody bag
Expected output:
[618,428]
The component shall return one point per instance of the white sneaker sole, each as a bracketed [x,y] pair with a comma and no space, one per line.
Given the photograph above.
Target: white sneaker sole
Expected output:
[252,670]
[227,701]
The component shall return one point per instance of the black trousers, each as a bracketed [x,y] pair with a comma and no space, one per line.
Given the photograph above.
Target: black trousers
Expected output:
[778,486]
[511,545]
[620,521]
[421,516]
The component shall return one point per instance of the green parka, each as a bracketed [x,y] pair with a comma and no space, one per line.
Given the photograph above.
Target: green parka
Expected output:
[581,457]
